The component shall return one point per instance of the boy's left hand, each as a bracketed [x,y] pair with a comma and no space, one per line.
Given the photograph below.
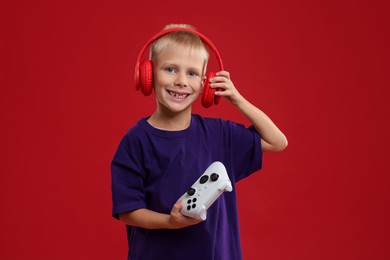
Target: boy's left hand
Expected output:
[225,87]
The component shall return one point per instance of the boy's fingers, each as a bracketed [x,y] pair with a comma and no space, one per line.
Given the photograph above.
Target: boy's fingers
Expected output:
[223,73]
[178,205]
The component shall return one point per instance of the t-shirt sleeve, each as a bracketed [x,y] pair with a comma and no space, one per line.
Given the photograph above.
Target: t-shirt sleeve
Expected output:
[246,150]
[127,177]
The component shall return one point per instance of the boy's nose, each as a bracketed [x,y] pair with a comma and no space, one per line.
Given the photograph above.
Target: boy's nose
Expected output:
[181,80]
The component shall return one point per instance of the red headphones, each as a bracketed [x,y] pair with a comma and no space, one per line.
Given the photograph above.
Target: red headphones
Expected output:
[144,70]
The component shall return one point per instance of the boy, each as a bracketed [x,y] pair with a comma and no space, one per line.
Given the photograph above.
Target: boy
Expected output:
[162,155]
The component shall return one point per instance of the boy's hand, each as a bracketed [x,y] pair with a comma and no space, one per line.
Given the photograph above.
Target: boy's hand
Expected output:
[178,220]
[226,87]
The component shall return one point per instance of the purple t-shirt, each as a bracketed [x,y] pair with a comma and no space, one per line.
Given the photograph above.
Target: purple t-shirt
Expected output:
[152,168]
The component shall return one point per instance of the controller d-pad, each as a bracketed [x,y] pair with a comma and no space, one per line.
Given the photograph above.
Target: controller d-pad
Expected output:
[204,179]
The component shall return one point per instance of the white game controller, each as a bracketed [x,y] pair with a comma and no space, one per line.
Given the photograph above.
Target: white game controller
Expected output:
[202,194]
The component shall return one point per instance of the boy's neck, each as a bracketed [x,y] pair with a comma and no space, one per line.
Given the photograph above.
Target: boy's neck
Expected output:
[170,122]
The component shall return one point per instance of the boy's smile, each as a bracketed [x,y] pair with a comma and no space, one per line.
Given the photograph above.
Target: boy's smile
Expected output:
[178,77]
[178,96]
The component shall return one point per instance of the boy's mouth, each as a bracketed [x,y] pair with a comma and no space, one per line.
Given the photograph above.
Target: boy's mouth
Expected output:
[178,95]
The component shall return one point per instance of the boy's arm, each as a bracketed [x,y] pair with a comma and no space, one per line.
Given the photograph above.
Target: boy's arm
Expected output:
[272,139]
[153,220]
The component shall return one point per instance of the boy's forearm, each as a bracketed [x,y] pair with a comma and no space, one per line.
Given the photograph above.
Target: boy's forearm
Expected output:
[146,219]
[272,138]
[149,219]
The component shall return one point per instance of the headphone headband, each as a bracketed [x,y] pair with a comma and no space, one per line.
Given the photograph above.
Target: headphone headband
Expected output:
[165,32]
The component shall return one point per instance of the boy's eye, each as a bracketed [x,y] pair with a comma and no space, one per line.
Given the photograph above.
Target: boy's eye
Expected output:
[193,73]
[170,69]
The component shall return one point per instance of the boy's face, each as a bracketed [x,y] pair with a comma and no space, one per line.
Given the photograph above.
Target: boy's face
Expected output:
[178,77]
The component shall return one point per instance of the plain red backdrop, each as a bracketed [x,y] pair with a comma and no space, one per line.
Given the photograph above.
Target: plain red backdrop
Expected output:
[319,69]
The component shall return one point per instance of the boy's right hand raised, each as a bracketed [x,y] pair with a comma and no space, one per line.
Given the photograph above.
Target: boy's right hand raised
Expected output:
[178,220]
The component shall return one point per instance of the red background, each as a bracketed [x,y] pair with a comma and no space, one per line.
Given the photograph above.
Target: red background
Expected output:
[319,69]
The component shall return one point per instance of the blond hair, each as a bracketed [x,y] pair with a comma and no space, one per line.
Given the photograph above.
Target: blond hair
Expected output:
[182,38]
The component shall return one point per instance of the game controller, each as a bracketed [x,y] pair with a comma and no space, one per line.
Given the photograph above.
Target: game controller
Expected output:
[207,188]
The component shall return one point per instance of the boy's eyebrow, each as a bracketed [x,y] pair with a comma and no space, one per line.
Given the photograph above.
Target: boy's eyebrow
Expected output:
[194,68]
[169,63]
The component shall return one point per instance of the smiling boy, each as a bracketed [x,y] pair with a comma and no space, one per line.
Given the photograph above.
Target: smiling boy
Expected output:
[163,154]
[178,80]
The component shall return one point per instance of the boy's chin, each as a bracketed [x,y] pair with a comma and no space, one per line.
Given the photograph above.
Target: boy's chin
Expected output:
[179,107]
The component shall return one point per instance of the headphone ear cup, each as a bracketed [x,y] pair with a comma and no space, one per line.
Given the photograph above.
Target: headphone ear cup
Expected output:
[208,92]
[146,77]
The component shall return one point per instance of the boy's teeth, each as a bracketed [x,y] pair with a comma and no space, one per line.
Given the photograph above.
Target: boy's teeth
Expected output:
[177,95]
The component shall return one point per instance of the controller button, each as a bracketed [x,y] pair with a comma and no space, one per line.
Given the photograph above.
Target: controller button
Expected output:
[188,201]
[188,207]
[214,177]
[191,191]
[194,200]
[193,206]
[204,179]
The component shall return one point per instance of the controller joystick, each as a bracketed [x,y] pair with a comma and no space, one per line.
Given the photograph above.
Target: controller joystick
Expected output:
[214,176]
[191,191]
